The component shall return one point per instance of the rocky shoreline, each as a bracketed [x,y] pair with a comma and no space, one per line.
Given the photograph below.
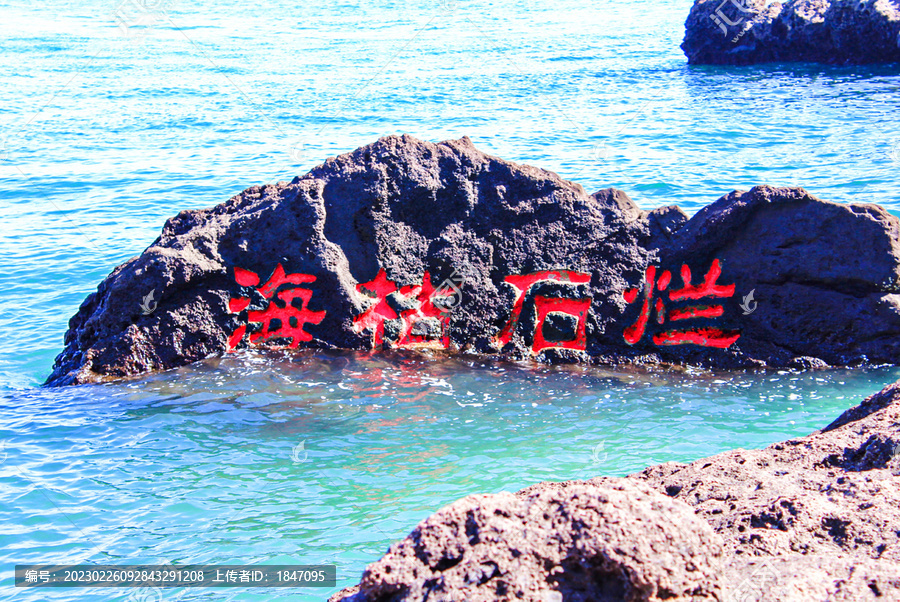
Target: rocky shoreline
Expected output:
[743,32]
[808,519]
[406,244]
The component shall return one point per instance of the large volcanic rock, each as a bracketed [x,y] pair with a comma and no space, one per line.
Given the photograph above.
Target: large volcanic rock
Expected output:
[810,519]
[404,243]
[739,32]
[615,542]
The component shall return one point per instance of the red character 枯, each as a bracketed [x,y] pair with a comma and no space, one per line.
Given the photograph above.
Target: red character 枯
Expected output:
[421,307]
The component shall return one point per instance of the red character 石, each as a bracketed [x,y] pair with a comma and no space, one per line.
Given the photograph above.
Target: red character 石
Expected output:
[703,336]
[550,312]
[282,308]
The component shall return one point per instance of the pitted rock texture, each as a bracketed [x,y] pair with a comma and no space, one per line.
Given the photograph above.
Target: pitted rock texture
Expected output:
[833,492]
[812,578]
[813,518]
[616,541]
[413,215]
[809,519]
[740,32]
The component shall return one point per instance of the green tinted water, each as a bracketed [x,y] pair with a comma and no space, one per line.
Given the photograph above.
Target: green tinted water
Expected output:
[331,457]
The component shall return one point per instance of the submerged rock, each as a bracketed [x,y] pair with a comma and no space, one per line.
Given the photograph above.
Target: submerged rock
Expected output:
[739,32]
[809,519]
[409,244]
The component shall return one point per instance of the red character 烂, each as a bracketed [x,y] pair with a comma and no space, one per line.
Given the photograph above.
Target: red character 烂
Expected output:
[703,336]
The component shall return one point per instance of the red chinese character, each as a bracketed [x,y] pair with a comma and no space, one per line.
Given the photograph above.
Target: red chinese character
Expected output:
[414,320]
[545,306]
[424,308]
[706,336]
[291,318]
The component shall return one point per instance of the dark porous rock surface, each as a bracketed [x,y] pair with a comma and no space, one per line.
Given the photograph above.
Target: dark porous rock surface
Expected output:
[410,244]
[825,276]
[739,32]
[810,519]
[607,542]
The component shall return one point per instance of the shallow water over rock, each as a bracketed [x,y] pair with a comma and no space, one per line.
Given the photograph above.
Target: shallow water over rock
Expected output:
[316,458]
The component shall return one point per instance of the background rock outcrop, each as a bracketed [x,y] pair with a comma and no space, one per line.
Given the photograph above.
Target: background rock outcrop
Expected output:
[740,32]
[409,244]
[809,519]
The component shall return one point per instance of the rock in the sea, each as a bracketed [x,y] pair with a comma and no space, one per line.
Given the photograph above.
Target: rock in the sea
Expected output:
[813,518]
[835,492]
[824,277]
[612,542]
[740,32]
[409,244]
[809,519]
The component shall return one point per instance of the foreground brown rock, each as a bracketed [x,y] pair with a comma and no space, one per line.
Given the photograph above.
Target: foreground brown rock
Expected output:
[616,541]
[813,518]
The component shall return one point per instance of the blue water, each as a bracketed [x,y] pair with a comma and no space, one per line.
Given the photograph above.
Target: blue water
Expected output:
[106,131]
[330,458]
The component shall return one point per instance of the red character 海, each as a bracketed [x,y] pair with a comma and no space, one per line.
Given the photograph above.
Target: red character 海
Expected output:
[287,310]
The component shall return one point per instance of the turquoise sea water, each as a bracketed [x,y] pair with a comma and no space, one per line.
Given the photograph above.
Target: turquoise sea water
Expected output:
[330,458]
[116,115]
